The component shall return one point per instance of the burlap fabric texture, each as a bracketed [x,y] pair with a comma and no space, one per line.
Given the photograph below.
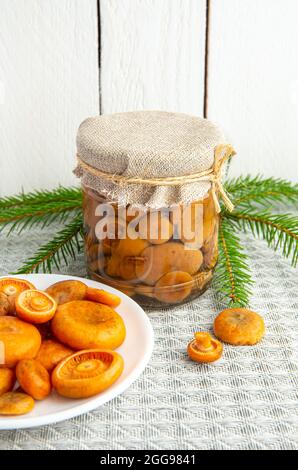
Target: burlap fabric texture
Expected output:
[147,144]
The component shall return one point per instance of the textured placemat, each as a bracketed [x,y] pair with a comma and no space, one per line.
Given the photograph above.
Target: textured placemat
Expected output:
[248,400]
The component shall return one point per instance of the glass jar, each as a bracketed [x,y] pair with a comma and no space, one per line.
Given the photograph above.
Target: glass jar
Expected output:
[159,257]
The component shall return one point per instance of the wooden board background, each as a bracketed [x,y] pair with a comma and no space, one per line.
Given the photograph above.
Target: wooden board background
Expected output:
[49,84]
[253,82]
[153,56]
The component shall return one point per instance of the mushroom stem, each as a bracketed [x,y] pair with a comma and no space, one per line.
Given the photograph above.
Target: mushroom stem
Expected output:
[203,341]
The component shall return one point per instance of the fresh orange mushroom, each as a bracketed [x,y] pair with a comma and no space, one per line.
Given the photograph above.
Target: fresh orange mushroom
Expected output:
[51,353]
[33,378]
[87,373]
[83,325]
[35,306]
[12,287]
[15,403]
[7,379]
[239,326]
[67,291]
[103,297]
[4,304]
[204,348]
[20,340]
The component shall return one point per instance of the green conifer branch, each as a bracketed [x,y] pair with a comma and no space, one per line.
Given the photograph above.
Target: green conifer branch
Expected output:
[58,195]
[232,278]
[24,217]
[66,244]
[248,191]
[278,230]
[39,208]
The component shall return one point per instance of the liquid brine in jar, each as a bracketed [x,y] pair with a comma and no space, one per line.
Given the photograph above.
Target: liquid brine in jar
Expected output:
[162,256]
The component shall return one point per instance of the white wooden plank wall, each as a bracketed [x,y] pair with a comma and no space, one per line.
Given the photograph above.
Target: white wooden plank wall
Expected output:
[153,54]
[152,57]
[253,82]
[49,83]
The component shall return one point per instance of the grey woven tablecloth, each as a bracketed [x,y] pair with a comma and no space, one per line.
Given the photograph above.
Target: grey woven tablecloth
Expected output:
[248,400]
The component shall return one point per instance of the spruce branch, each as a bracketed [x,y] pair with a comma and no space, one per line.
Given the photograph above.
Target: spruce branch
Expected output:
[39,208]
[248,191]
[278,230]
[24,217]
[66,244]
[232,278]
[60,194]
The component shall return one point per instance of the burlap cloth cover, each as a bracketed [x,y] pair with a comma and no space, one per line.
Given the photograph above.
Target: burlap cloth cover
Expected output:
[147,144]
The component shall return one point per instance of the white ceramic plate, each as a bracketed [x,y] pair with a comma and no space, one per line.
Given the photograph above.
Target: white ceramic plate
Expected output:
[136,351]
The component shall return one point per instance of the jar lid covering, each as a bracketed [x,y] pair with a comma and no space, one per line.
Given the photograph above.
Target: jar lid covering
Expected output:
[147,144]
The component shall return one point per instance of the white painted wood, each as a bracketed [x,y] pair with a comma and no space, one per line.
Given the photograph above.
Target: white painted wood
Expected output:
[48,85]
[153,55]
[253,82]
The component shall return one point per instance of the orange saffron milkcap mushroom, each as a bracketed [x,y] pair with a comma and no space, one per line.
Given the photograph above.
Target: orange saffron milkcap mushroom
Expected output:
[35,306]
[12,287]
[204,348]
[51,353]
[4,304]
[67,291]
[82,324]
[103,297]
[33,378]
[15,403]
[7,379]
[20,340]
[87,373]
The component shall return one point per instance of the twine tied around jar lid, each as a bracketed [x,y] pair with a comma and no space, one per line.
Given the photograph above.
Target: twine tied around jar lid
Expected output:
[222,153]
